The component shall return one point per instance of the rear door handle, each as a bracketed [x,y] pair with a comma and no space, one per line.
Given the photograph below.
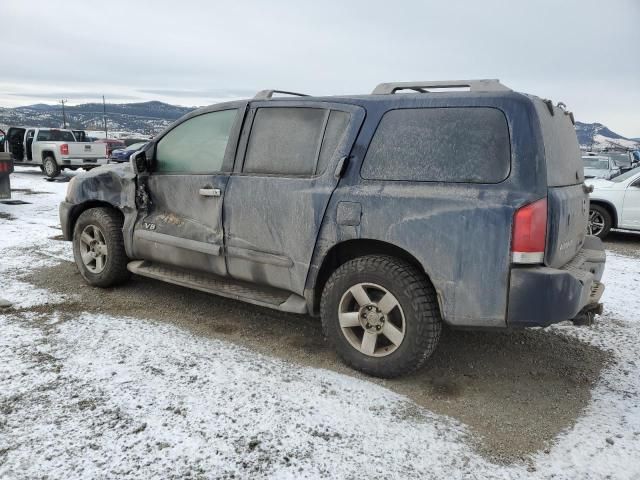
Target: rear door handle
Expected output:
[210,192]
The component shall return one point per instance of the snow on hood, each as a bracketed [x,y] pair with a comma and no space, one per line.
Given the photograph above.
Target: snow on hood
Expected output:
[599,182]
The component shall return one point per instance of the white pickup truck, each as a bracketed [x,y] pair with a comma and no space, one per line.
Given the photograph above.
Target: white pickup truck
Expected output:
[52,149]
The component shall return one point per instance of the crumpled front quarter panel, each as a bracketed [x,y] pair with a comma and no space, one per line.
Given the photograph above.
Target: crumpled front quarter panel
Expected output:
[114,184]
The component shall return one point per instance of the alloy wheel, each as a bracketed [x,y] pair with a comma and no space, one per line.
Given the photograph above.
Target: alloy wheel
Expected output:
[93,249]
[596,223]
[371,319]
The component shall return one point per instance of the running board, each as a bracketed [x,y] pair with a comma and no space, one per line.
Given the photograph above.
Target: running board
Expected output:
[223,286]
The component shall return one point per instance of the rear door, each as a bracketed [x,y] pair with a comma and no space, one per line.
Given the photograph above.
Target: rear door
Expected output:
[286,173]
[182,224]
[567,197]
[15,141]
[28,143]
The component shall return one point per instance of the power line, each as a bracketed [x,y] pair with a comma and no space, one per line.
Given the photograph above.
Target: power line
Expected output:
[64,117]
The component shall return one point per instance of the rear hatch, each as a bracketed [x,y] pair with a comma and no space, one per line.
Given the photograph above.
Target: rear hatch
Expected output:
[567,197]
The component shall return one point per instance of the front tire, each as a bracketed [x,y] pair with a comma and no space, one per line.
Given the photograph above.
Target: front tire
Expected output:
[98,247]
[381,315]
[50,167]
[599,221]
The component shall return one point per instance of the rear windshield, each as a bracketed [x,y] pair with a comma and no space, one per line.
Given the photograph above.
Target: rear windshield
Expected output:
[562,154]
[620,159]
[55,136]
[466,145]
[595,162]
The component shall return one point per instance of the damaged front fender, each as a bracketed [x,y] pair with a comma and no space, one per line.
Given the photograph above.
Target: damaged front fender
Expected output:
[108,186]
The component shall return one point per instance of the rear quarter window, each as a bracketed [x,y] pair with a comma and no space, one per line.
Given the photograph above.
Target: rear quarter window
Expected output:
[460,145]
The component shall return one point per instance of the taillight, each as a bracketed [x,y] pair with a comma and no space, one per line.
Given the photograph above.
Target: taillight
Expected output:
[64,149]
[529,233]
[5,167]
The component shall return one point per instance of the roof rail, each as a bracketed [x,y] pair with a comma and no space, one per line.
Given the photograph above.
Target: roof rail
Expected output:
[483,85]
[268,94]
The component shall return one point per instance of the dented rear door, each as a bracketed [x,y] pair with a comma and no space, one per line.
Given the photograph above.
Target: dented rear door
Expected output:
[288,165]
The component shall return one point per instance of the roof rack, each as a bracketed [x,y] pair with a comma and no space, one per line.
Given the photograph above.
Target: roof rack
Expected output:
[483,85]
[268,94]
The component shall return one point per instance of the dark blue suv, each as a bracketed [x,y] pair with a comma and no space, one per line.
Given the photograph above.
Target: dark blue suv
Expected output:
[385,214]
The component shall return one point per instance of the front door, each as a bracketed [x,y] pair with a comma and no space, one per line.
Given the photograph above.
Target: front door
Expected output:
[284,176]
[631,206]
[182,223]
[28,148]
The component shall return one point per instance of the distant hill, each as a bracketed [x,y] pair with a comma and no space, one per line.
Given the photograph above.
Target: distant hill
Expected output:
[150,118]
[597,136]
[144,118]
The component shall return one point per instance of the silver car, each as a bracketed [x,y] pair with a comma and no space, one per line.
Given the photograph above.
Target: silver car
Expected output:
[600,166]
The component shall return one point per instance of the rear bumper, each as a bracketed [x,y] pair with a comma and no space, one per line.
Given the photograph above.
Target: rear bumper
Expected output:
[541,296]
[83,162]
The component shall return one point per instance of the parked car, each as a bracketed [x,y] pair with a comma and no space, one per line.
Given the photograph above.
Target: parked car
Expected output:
[615,203]
[384,214]
[625,161]
[600,166]
[111,144]
[52,149]
[123,154]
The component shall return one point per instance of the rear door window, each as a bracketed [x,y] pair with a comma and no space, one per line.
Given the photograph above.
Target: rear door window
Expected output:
[469,145]
[334,133]
[285,141]
[55,136]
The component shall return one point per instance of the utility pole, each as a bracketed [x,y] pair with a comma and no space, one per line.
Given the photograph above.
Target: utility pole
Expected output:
[104,116]
[64,117]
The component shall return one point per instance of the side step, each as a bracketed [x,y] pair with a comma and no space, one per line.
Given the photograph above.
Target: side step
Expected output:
[224,286]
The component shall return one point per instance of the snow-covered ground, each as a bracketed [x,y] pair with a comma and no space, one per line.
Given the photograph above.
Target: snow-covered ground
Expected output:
[95,396]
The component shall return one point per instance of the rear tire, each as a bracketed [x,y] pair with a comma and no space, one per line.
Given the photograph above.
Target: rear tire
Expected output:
[50,167]
[393,327]
[600,221]
[98,247]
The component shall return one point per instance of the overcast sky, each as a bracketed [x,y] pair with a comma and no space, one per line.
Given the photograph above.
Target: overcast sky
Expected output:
[582,52]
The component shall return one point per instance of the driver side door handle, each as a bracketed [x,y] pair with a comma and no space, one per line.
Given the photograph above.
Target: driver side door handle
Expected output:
[210,192]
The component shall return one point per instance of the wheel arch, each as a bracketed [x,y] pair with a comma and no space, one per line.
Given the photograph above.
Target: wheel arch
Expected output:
[610,208]
[48,153]
[344,251]
[77,210]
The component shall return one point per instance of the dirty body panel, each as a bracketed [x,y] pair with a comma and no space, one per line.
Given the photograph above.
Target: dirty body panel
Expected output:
[272,218]
[460,233]
[109,185]
[182,223]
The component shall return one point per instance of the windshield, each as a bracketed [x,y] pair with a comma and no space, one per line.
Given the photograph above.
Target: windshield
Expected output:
[597,163]
[620,159]
[136,146]
[626,175]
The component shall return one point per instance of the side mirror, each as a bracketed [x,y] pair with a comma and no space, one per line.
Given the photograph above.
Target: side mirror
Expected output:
[139,162]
